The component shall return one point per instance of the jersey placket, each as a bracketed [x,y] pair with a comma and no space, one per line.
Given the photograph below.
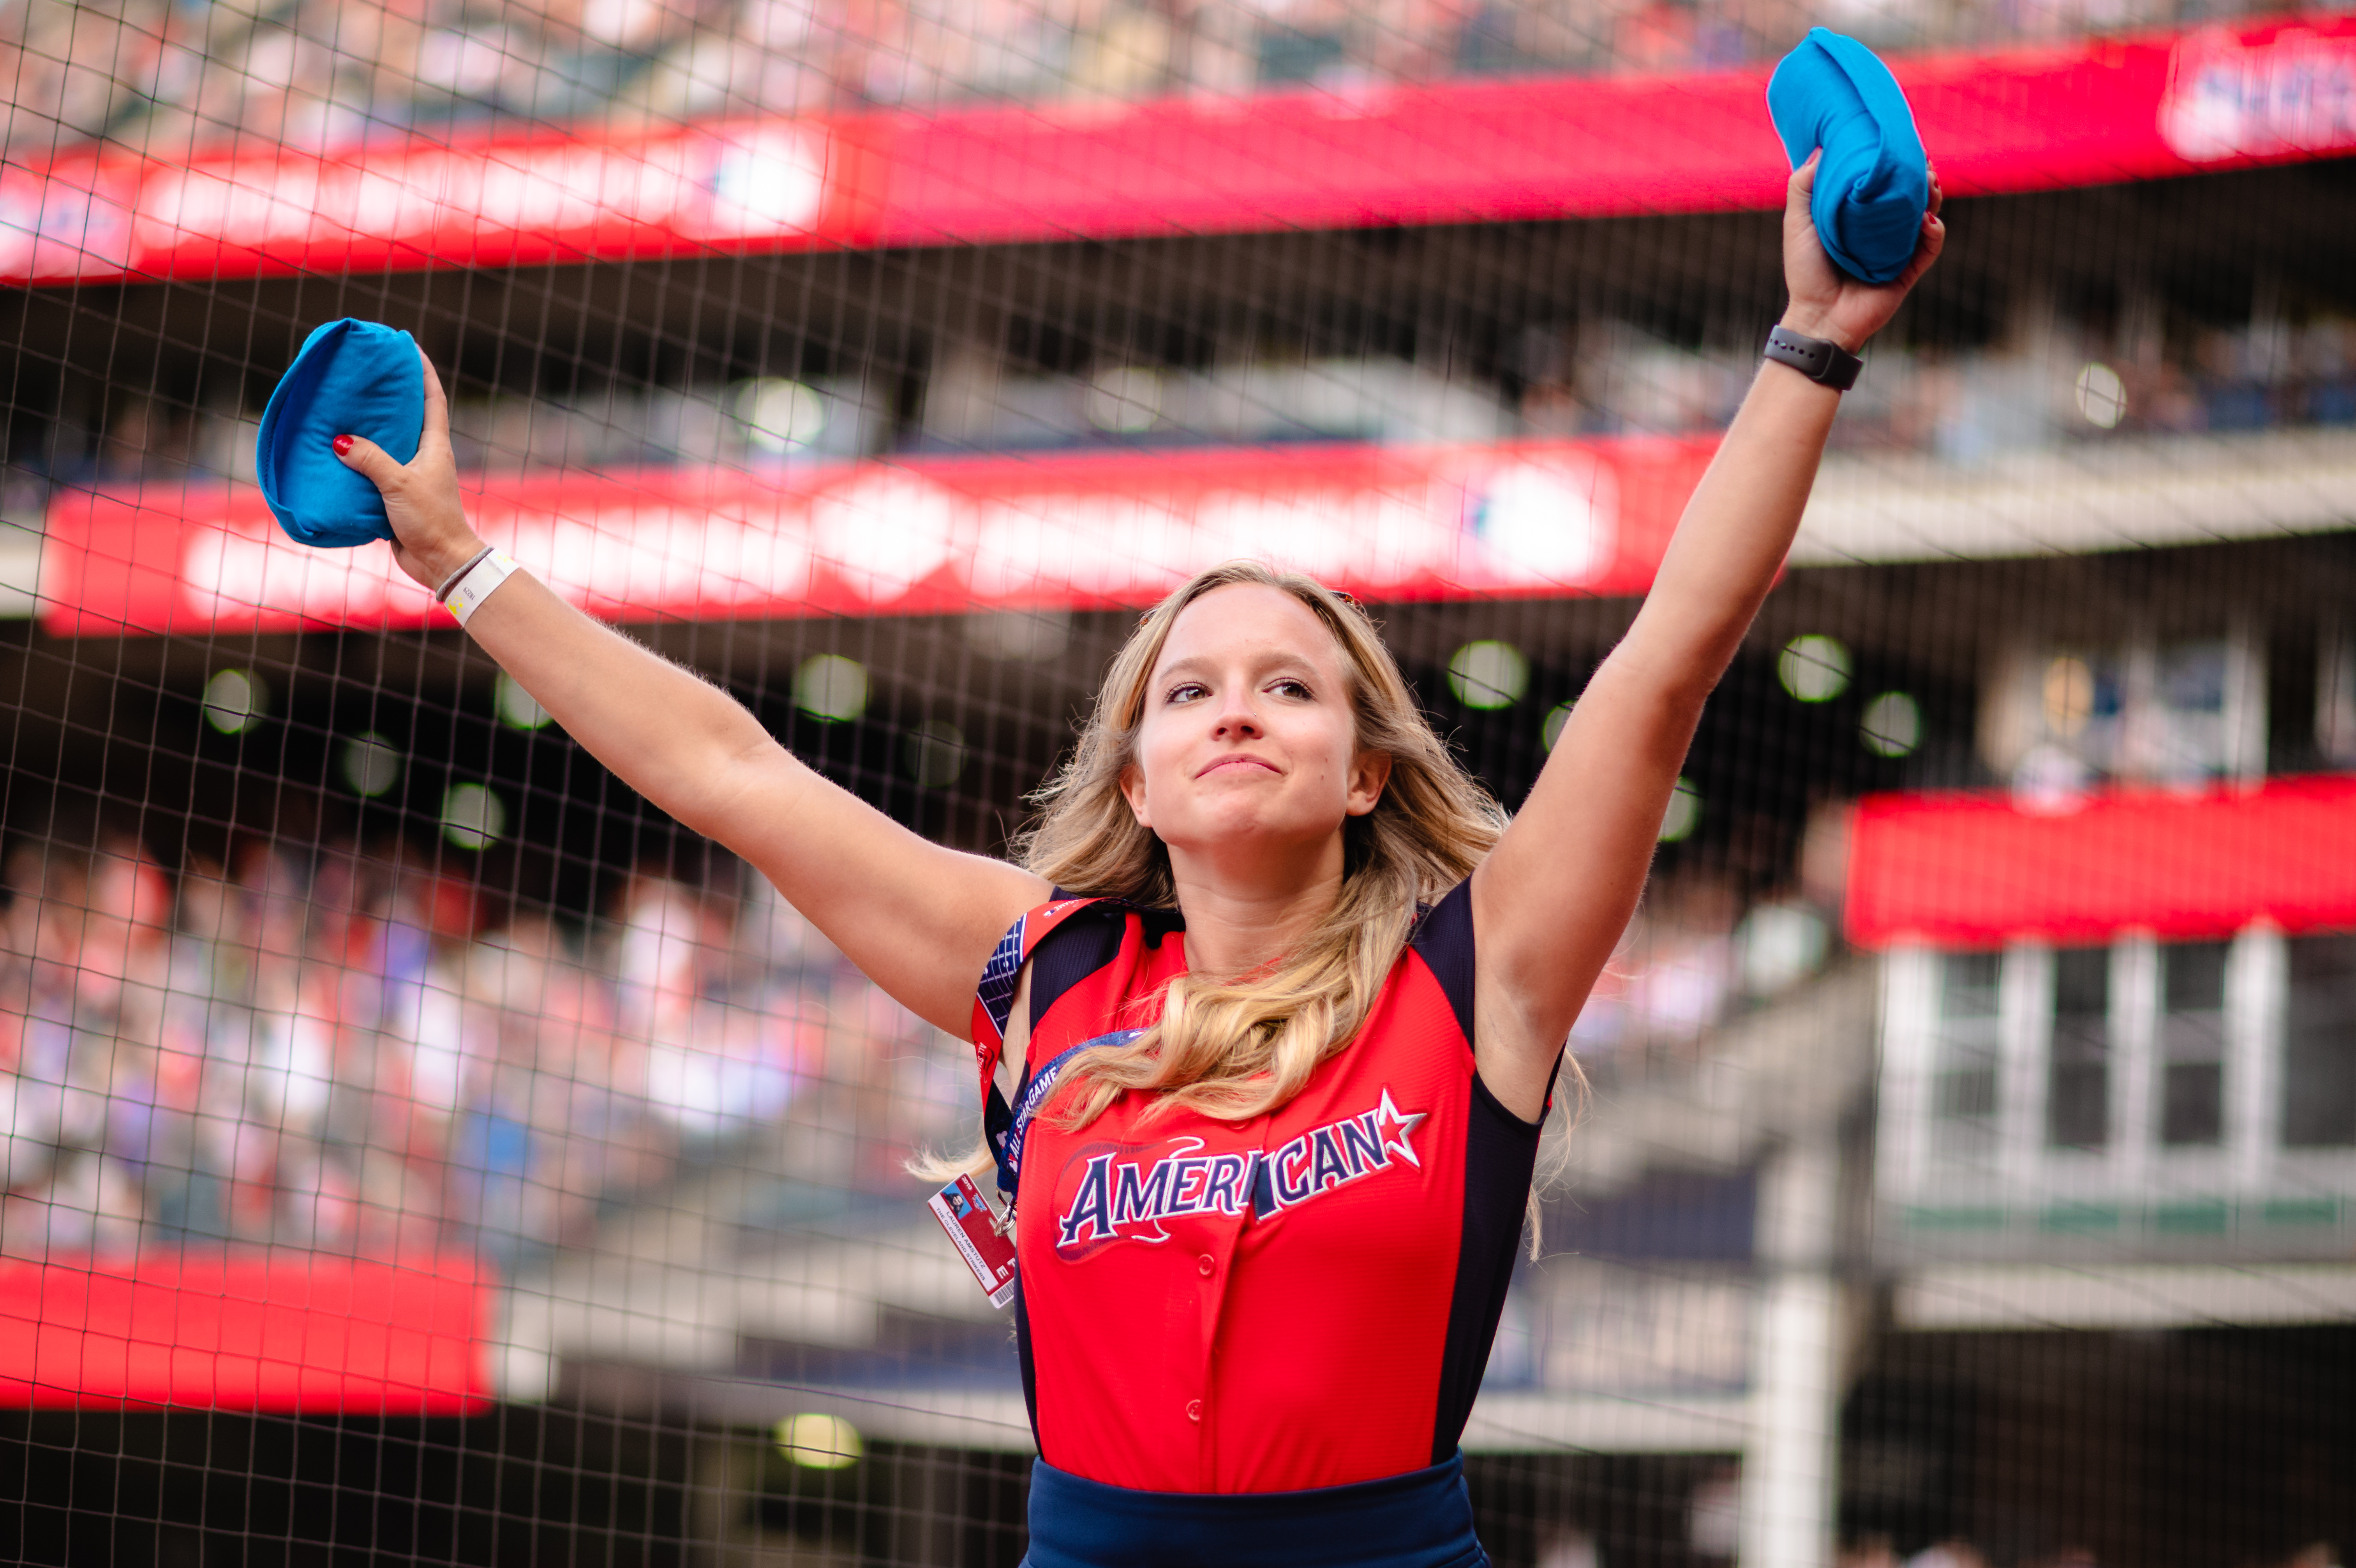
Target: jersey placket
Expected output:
[1215,1266]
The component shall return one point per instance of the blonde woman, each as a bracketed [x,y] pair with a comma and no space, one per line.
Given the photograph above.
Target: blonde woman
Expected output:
[1272,1002]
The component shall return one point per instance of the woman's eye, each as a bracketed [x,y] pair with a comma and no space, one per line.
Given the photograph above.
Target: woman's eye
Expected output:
[1294,689]
[1187,693]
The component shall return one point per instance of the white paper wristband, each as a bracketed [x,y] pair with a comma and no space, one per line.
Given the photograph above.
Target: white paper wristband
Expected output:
[479,583]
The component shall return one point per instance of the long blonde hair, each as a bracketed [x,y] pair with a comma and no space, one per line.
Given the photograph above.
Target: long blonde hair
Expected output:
[1236,1049]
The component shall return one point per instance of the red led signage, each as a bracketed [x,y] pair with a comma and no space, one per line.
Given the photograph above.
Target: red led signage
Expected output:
[926,537]
[1976,872]
[283,1331]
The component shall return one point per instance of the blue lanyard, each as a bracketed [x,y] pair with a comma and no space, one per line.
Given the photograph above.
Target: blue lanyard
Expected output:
[1029,1096]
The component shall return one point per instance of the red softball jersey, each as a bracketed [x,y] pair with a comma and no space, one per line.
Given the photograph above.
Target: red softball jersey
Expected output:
[1304,1299]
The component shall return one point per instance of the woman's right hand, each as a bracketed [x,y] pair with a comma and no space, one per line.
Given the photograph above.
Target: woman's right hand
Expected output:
[431,536]
[1825,301]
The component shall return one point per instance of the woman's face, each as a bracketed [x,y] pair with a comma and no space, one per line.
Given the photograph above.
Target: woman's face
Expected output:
[1248,740]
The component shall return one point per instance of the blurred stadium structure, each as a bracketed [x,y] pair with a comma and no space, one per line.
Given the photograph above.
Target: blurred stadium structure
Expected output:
[164,78]
[416,1146]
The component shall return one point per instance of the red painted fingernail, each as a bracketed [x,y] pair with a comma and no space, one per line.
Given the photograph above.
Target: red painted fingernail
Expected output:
[343,445]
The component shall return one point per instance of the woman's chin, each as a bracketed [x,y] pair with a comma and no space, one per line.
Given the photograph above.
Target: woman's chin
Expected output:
[1217,834]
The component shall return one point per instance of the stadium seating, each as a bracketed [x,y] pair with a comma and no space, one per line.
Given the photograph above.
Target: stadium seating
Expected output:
[310,74]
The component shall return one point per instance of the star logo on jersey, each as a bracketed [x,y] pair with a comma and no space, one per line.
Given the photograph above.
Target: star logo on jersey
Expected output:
[1124,1192]
[1392,1127]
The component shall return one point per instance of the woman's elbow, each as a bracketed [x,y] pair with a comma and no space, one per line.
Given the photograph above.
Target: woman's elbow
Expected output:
[731,790]
[1672,684]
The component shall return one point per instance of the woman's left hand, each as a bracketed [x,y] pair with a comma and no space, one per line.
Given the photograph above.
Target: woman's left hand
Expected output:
[1825,301]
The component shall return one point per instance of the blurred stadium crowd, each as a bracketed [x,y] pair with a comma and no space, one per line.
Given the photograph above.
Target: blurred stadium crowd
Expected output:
[2043,382]
[343,1052]
[163,76]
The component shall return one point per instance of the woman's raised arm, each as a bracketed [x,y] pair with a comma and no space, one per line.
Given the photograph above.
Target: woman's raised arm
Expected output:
[1551,901]
[918,918]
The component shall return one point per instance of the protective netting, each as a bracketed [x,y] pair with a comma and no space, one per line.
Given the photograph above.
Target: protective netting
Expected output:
[417,1146]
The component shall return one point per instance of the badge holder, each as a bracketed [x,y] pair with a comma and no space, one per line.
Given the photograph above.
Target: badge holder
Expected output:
[972,1225]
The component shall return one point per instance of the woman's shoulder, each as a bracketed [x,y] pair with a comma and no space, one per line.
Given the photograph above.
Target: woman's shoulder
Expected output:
[1068,937]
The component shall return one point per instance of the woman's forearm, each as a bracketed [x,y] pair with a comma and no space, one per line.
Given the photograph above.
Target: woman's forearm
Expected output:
[664,731]
[669,736]
[918,917]
[1736,532]
[1740,524]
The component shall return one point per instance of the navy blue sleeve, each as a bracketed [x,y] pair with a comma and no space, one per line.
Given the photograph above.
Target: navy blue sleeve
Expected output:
[1500,1154]
[1444,935]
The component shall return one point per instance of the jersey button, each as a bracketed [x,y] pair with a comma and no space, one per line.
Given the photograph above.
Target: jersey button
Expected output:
[1193,1410]
[1208,1265]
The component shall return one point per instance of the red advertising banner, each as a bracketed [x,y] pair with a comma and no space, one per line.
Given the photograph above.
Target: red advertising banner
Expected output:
[289,1331]
[2088,112]
[1967,871]
[1088,531]
[507,201]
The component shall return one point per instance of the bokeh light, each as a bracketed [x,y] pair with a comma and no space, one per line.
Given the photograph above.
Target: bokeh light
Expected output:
[1488,675]
[2102,396]
[820,1442]
[235,701]
[1557,718]
[1684,815]
[1892,726]
[371,765]
[1814,669]
[831,688]
[473,816]
[935,754]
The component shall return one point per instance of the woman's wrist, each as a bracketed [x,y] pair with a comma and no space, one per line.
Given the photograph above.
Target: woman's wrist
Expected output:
[459,572]
[1816,324]
[446,558]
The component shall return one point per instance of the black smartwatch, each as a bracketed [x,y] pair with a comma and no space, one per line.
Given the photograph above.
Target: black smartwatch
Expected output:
[1827,364]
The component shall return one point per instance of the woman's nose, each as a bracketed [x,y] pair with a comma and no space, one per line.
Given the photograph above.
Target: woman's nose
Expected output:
[1236,719]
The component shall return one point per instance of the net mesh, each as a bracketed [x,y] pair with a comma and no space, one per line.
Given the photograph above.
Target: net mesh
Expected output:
[417,1147]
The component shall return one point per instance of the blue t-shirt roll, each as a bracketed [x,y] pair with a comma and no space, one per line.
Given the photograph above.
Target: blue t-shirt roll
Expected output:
[352,377]
[1874,184]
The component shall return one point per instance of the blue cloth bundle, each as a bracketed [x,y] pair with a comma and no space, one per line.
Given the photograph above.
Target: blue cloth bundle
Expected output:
[352,377]
[1874,184]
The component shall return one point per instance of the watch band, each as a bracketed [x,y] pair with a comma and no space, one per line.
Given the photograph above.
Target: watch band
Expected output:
[1825,363]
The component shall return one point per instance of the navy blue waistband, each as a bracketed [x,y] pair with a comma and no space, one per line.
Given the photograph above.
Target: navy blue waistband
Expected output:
[1420,1519]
